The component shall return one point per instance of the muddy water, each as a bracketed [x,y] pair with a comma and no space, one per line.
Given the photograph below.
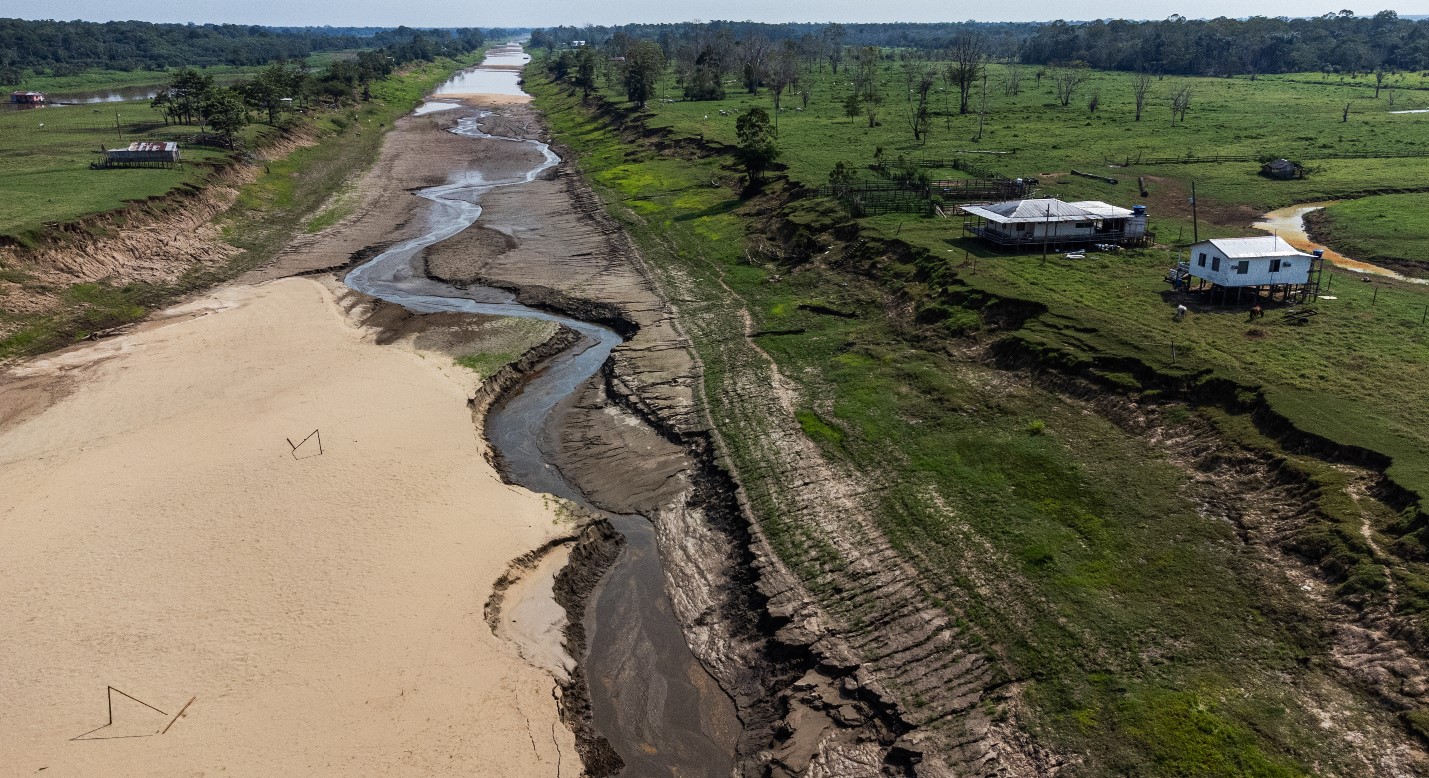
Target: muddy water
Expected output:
[654,702]
[498,74]
[1289,224]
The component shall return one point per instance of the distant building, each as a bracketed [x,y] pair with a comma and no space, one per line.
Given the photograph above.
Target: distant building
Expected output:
[1281,169]
[1260,266]
[143,153]
[28,98]
[1050,222]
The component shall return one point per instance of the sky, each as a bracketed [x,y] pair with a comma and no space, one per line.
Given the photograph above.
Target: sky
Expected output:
[487,13]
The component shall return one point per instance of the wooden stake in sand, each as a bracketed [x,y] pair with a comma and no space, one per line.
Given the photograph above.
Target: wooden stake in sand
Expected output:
[177,715]
[109,699]
[299,444]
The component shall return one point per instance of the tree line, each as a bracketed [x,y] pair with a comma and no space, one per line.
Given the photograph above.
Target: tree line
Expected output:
[1335,43]
[67,48]
[192,97]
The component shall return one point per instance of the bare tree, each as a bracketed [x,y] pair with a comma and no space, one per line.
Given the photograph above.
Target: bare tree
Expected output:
[754,53]
[919,117]
[1096,101]
[1379,75]
[968,57]
[1065,81]
[833,37]
[982,107]
[1180,102]
[1012,84]
[1140,86]
[1346,117]
[866,76]
[1391,94]
[783,72]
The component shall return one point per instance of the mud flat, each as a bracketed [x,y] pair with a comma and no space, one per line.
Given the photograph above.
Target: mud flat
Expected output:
[322,610]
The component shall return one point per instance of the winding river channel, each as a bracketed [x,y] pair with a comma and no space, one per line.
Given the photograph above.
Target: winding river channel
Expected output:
[651,698]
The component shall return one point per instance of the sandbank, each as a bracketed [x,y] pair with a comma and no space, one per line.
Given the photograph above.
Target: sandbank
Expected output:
[323,612]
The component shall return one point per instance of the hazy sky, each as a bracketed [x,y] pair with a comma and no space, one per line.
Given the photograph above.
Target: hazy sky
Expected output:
[487,13]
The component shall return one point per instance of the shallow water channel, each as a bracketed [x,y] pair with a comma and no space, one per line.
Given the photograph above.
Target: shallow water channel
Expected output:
[1289,224]
[651,697]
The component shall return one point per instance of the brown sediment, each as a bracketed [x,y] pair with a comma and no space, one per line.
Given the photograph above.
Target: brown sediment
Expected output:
[510,708]
[635,438]
[319,603]
[595,550]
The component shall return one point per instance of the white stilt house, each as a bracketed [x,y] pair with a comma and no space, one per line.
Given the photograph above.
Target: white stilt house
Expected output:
[1262,266]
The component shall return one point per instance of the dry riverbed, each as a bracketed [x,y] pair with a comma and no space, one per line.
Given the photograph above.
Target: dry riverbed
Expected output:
[177,549]
[323,609]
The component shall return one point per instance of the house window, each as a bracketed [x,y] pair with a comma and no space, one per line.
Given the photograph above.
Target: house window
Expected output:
[1275,266]
[1084,225]
[1202,260]
[1242,267]
[1216,264]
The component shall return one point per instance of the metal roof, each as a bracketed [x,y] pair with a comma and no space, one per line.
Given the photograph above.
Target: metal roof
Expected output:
[1104,210]
[1046,209]
[1250,248]
[149,145]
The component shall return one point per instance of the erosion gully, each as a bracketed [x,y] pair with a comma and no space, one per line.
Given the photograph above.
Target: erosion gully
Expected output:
[649,694]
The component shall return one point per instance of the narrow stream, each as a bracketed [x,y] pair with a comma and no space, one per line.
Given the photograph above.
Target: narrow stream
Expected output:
[1289,224]
[652,699]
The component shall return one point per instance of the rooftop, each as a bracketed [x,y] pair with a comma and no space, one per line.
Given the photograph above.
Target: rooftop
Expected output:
[1259,246]
[1046,209]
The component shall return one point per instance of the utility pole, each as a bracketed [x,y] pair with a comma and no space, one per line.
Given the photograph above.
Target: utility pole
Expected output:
[1195,222]
[1046,232]
[117,128]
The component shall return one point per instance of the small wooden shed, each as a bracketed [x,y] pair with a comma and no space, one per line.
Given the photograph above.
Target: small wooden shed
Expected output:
[143,153]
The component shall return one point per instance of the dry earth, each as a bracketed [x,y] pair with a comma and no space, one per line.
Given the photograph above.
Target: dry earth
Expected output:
[324,613]
[323,610]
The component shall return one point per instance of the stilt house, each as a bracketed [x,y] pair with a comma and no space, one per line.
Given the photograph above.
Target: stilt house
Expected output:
[1053,223]
[1258,266]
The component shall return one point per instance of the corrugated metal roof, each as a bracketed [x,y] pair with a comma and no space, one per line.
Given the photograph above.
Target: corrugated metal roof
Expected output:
[1045,209]
[1104,210]
[1250,248]
[151,145]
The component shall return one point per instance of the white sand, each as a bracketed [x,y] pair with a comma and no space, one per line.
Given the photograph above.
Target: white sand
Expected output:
[156,535]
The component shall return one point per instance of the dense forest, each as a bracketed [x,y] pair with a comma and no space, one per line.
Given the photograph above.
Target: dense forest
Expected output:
[1005,36]
[63,48]
[1334,43]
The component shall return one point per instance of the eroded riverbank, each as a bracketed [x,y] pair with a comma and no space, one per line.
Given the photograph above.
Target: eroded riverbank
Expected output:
[650,698]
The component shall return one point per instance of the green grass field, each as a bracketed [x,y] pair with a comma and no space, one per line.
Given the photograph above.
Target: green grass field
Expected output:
[1149,641]
[100,80]
[294,193]
[48,151]
[1354,374]
[1385,228]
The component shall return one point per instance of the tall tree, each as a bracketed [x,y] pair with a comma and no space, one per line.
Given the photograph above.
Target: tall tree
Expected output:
[967,59]
[225,112]
[644,61]
[1140,86]
[585,70]
[757,148]
[180,99]
[833,37]
[1065,81]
